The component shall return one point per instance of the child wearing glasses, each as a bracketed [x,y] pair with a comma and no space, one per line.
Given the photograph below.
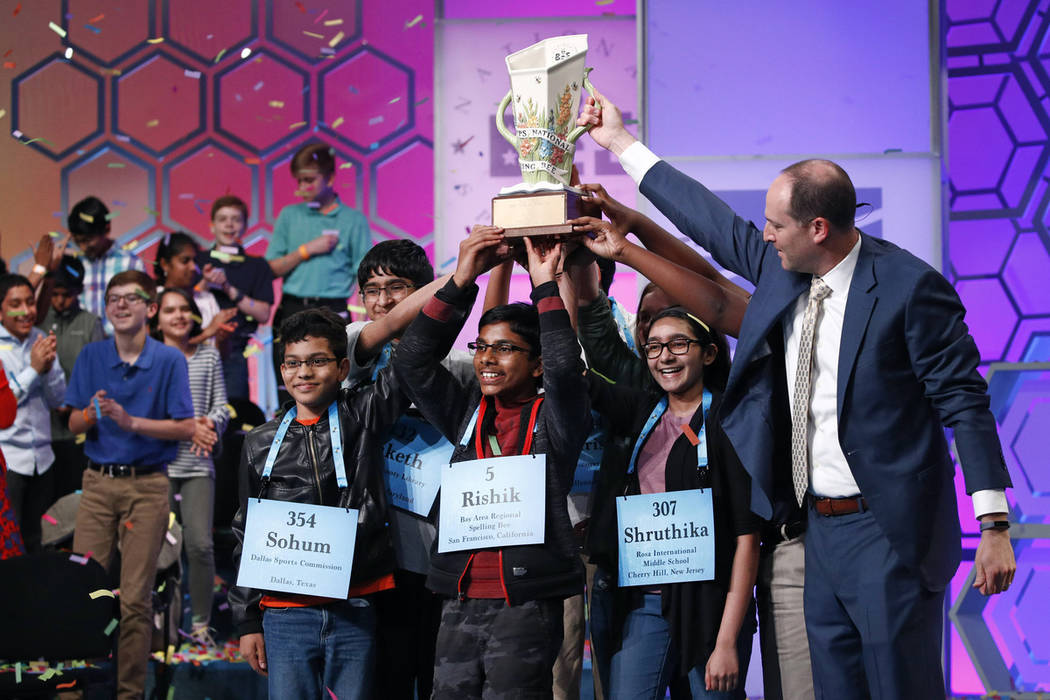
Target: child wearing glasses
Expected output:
[501,623]
[322,449]
[130,394]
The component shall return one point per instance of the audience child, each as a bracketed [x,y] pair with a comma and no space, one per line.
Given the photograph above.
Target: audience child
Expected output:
[73,328]
[701,628]
[317,245]
[176,267]
[89,226]
[306,644]
[240,281]
[396,279]
[10,537]
[28,356]
[192,472]
[130,394]
[501,624]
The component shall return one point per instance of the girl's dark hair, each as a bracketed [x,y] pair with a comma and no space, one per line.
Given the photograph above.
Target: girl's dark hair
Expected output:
[523,320]
[400,258]
[88,217]
[717,373]
[315,323]
[154,323]
[171,245]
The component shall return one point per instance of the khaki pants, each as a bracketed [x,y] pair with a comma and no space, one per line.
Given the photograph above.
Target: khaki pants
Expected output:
[133,511]
[786,672]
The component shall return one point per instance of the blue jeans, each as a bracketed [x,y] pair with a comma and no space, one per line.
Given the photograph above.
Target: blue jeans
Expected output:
[603,594]
[327,646]
[646,659]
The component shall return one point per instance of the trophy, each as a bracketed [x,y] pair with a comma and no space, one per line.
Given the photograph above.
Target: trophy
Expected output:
[545,83]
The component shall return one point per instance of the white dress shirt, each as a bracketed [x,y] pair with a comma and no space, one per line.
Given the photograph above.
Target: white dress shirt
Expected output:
[27,442]
[831,475]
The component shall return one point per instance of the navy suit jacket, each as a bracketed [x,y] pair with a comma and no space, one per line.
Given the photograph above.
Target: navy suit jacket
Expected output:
[907,368]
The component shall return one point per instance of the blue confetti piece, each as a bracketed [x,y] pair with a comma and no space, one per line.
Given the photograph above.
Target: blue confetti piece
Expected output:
[448,262]
[118,203]
[98,411]
[374,146]
[73,271]
[352,89]
[93,28]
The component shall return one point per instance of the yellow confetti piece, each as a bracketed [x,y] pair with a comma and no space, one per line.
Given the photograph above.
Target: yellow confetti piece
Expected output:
[313,34]
[153,122]
[80,439]
[230,408]
[337,122]
[247,428]
[296,125]
[87,217]
[219,55]
[336,39]
[129,245]
[345,166]
[171,518]
[604,2]
[157,40]
[57,29]
[414,21]
[101,593]
[196,318]
[396,99]
[333,22]
[49,674]
[114,165]
[277,104]
[355,309]
[2,113]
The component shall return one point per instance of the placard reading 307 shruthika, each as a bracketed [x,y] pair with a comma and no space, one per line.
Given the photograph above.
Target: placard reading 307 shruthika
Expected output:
[495,502]
[666,537]
[298,548]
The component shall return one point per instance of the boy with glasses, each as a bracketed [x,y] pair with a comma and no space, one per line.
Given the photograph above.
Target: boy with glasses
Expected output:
[130,394]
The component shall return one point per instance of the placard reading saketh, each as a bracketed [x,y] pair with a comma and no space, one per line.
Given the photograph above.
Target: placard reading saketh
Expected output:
[496,502]
[298,548]
[413,458]
[666,537]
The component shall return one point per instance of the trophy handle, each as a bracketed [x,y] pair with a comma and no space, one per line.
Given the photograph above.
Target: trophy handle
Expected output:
[581,130]
[511,138]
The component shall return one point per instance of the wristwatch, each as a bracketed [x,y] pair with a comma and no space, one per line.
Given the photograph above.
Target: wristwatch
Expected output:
[998,525]
[39,269]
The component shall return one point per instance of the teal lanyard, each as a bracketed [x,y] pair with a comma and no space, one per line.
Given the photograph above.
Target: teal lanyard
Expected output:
[621,323]
[654,418]
[334,433]
[383,360]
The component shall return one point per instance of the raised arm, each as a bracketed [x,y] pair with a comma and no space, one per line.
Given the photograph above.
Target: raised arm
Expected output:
[378,333]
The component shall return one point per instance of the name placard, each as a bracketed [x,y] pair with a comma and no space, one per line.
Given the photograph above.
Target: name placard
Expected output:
[590,458]
[413,458]
[666,537]
[298,548]
[496,502]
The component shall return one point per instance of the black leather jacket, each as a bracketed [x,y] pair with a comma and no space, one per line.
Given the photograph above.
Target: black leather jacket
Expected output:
[304,473]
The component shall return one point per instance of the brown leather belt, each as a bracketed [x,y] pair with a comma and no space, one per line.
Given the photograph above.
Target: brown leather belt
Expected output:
[839,506]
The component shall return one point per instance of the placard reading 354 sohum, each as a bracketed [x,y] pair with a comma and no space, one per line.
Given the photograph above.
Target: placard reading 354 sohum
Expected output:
[666,537]
[298,548]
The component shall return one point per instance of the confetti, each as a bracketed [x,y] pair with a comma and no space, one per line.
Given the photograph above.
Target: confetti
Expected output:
[252,161]
[114,165]
[345,166]
[129,525]
[331,693]
[69,53]
[195,74]
[170,538]
[337,122]
[246,52]
[87,217]
[219,55]
[70,684]
[355,309]
[98,411]
[97,18]
[321,16]
[336,39]
[296,125]
[313,34]
[123,137]
[101,593]
[414,21]
[247,428]
[333,22]
[93,28]
[112,215]
[49,674]
[110,627]
[18,8]
[152,122]
[77,559]
[2,113]
[277,104]
[375,120]
[604,2]
[18,664]
[157,40]
[233,412]
[258,86]
[396,99]
[46,517]
[9,64]
[57,29]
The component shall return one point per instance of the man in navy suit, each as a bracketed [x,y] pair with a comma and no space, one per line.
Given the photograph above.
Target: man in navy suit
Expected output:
[864,346]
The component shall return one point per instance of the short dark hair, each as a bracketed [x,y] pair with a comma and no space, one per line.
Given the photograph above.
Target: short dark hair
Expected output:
[134,277]
[9,281]
[88,217]
[154,322]
[717,373]
[69,275]
[523,320]
[171,245]
[316,323]
[400,258]
[314,155]
[606,272]
[821,188]
[229,200]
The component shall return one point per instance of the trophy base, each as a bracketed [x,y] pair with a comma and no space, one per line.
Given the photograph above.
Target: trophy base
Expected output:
[541,213]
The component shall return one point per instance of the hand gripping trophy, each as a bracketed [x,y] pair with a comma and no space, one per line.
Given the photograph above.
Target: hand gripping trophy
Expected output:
[546,79]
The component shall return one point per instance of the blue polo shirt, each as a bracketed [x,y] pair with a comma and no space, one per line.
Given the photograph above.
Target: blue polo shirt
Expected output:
[330,276]
[157,386]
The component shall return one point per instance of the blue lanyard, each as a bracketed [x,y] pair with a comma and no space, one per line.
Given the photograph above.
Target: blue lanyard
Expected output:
[654,418]
[334,433]
[621,323]
[383,360]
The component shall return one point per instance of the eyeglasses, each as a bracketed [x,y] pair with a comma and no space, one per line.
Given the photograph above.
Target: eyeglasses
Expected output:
[313,362]
[501,349]
[678,346]
[129,299]
[394,290]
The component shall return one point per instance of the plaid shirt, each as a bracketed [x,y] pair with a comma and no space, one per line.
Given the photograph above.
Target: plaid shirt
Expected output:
[98,273]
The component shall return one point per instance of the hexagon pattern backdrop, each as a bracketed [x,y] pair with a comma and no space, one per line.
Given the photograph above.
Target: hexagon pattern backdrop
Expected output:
[160,106]
[997,252]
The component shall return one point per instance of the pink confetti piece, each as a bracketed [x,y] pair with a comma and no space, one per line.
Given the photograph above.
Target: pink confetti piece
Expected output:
[46,517]
[77,559]
[331,693]
[320,16]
